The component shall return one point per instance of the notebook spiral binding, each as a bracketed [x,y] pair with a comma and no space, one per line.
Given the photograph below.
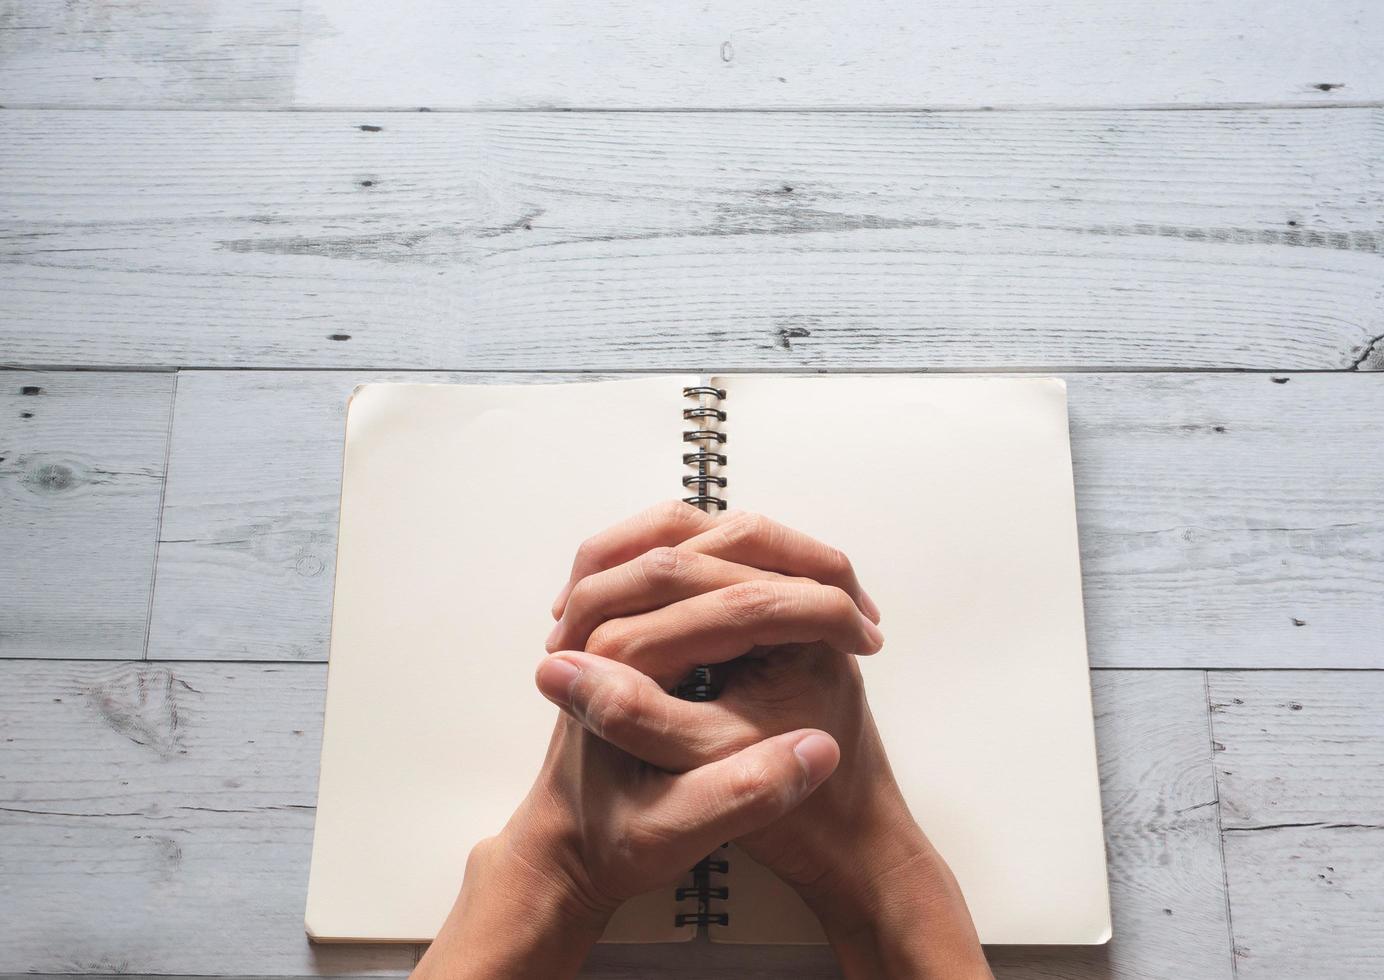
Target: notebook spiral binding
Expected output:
[704,891]
[706,415]
[700,685]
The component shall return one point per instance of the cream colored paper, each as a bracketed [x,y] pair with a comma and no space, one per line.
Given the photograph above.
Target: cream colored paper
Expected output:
[953,498]
[461,508]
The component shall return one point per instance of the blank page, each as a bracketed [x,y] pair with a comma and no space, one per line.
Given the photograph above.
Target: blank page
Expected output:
[953,497]
[461,508]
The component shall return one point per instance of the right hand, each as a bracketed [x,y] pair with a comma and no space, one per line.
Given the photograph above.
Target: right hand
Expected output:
[673,588]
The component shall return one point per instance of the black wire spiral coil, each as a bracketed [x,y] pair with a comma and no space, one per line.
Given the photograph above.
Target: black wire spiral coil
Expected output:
[704,480]
[700,685]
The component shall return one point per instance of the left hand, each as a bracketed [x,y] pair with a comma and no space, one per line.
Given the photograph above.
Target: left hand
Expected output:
[599,827]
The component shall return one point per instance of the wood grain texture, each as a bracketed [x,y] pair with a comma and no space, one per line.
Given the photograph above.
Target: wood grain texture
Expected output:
[1300,766]
[81,476]
[1244,239]
[1230,520]
[620,53]
[1217,512]
[184,52]
[158,819]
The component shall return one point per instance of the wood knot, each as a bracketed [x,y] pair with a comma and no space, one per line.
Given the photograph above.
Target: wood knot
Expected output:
[142,704]
[52,478]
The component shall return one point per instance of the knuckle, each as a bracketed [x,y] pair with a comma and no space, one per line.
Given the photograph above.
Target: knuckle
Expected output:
[752,785]
[750,600]
[588,554]
[675,513]
[745,527]
[673,510]
[837,601]
[616,710]
[580,594]
[662,565]
[607,640]
[835,562]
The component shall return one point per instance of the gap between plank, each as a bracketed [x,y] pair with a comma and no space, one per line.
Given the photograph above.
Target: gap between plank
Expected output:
[707,110]
[664,369]
[1220,831]
[158,528]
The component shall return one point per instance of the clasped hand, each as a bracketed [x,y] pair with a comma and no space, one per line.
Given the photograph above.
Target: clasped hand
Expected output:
[638,785]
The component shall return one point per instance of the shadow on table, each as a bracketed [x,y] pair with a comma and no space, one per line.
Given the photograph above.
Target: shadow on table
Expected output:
[1057,962]
[355,959]
[702,959]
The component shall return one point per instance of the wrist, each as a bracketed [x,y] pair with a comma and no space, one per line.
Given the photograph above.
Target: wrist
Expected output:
[899,912]
[520,913]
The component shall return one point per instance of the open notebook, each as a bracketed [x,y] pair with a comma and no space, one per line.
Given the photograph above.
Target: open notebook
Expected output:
[462,505]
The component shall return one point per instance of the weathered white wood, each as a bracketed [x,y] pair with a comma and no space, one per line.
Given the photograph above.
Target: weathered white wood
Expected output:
[161,52]
[1231,520]
[1200,547]
[1300,767]
[158,819]
[81,474]
[730,53]
[1245,239]
[1304,748]
[624,53]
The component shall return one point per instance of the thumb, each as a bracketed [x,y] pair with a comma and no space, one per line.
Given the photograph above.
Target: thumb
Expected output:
[705,807]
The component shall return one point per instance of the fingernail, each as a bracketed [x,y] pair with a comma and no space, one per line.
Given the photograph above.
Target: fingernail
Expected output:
[875,634]
[550,643]
[560,602]
[818,754]
[555,679]
[870,606]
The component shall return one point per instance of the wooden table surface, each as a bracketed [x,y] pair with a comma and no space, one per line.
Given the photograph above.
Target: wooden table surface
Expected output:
[1179,207]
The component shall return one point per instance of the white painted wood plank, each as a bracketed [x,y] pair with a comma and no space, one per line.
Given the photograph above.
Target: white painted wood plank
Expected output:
[726,53]
[695,240]
[758,53]
[1300,765]
[158,819]
[81,475]
[1299,748]
[164,52]
[1200,547]
[1231,520]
